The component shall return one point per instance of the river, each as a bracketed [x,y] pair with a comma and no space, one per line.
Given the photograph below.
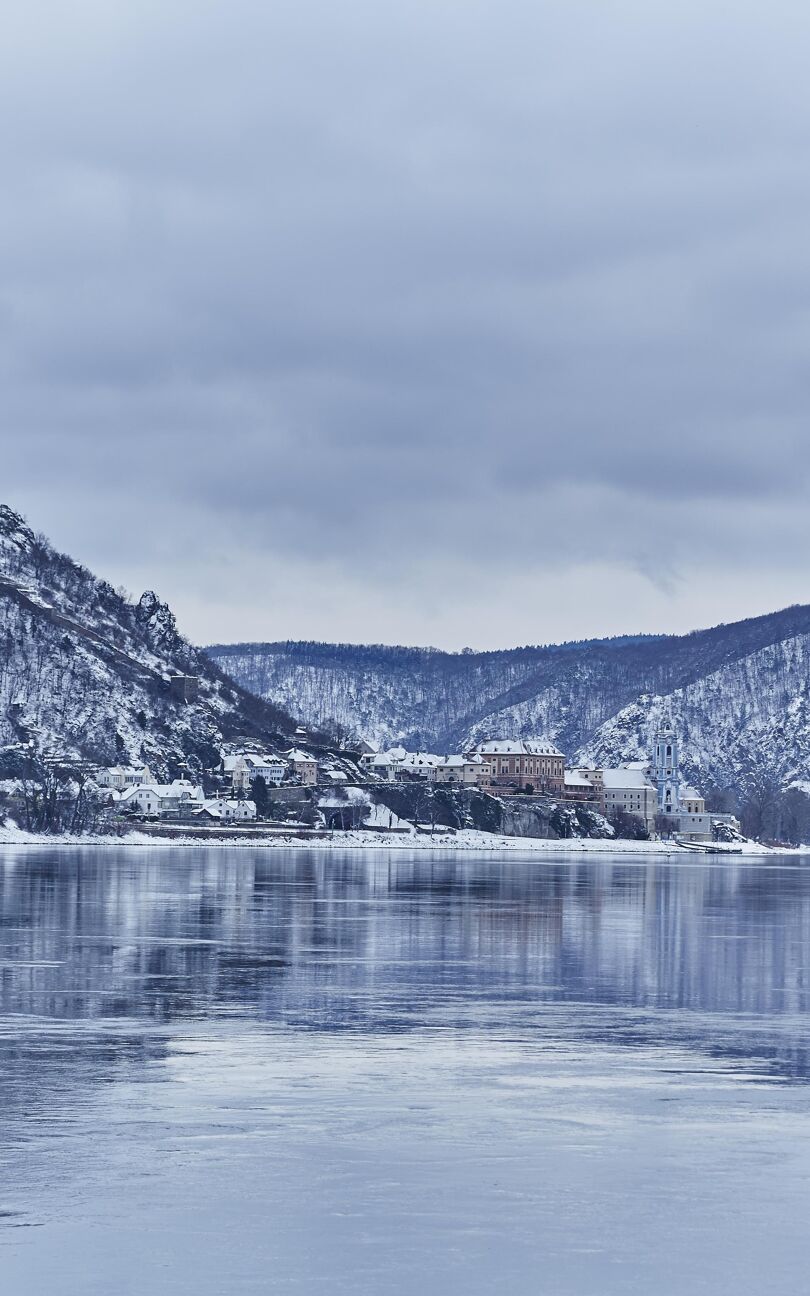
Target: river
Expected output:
[242,1071]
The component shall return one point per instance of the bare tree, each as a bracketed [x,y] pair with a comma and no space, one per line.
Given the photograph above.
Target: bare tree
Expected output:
[57,793]
[628,826]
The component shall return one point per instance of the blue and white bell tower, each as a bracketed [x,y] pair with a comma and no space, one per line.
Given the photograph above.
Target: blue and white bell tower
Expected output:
[665,771]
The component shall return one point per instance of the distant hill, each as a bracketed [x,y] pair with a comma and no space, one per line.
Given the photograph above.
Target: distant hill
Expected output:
[739,694]
[84,671]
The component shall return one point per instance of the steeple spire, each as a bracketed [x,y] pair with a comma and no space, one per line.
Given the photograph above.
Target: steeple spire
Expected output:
[665,767]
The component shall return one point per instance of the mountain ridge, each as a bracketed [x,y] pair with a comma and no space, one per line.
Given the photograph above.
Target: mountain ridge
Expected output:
[596,699]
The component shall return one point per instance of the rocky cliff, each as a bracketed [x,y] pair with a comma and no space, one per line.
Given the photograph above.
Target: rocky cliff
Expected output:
[86,672]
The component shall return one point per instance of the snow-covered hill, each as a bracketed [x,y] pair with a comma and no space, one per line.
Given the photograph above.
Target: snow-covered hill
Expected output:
[84,671]
[748,720]
[739,694]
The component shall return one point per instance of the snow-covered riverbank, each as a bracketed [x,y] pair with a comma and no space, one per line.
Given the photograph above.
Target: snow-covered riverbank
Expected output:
[465,840]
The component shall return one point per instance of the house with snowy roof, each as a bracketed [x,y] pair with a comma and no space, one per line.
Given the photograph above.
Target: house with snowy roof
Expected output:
[122,776]
[160,800]
[304,765]
[380,764]
[628,788]
[226,810]
[373,762]
[418,765]
[692,801]
[473,770]
[247,766]
[585,784]
[383,764]
[399,764]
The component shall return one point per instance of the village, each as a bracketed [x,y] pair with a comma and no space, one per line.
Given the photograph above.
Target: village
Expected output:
[305,790]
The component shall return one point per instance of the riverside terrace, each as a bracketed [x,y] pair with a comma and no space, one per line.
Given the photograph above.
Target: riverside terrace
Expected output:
[505,764]
[652,792]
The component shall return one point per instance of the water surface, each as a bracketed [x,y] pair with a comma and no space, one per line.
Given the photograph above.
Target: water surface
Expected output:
[227,1072]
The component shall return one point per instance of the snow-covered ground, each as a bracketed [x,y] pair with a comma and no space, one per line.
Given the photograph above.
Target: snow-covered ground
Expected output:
[466,840]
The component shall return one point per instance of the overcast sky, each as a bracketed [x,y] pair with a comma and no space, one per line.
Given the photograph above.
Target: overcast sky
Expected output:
[439,322]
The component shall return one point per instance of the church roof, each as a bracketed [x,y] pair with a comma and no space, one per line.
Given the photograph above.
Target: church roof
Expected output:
[624,778]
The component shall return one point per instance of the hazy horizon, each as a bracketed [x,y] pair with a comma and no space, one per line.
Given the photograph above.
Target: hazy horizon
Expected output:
[404,643]
[515,647]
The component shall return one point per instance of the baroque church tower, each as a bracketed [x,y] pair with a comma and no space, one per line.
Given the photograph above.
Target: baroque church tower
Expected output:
[665,771]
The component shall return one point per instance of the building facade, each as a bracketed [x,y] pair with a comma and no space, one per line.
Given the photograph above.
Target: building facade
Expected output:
[123,776]
[381,765]
[691,800]
[586,784]
[250,766]
[418,765]
[665,771]
[469,771]
[522,764]
[629,789]
[184,688]
[681,809]
[223,810]
[161,800]
[304,765]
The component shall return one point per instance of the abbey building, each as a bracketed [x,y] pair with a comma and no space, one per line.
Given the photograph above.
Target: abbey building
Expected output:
[681,808]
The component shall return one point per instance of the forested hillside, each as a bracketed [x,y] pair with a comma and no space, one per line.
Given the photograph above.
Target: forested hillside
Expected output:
[739,693]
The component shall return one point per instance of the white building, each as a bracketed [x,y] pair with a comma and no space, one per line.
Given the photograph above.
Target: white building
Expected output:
[471,770]
[384,764]
[700,827]
[161,800]
[418,765]
[381,764]
[222,810]
[692,801]
[399,764]
[228,763]
[123,776]
[629,789]
[247,766]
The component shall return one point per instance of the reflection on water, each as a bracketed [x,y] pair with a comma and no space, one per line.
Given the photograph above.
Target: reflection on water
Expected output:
[437,1073]
[369,942]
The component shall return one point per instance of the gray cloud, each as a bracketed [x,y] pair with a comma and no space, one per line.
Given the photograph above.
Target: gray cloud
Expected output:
[445,322]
